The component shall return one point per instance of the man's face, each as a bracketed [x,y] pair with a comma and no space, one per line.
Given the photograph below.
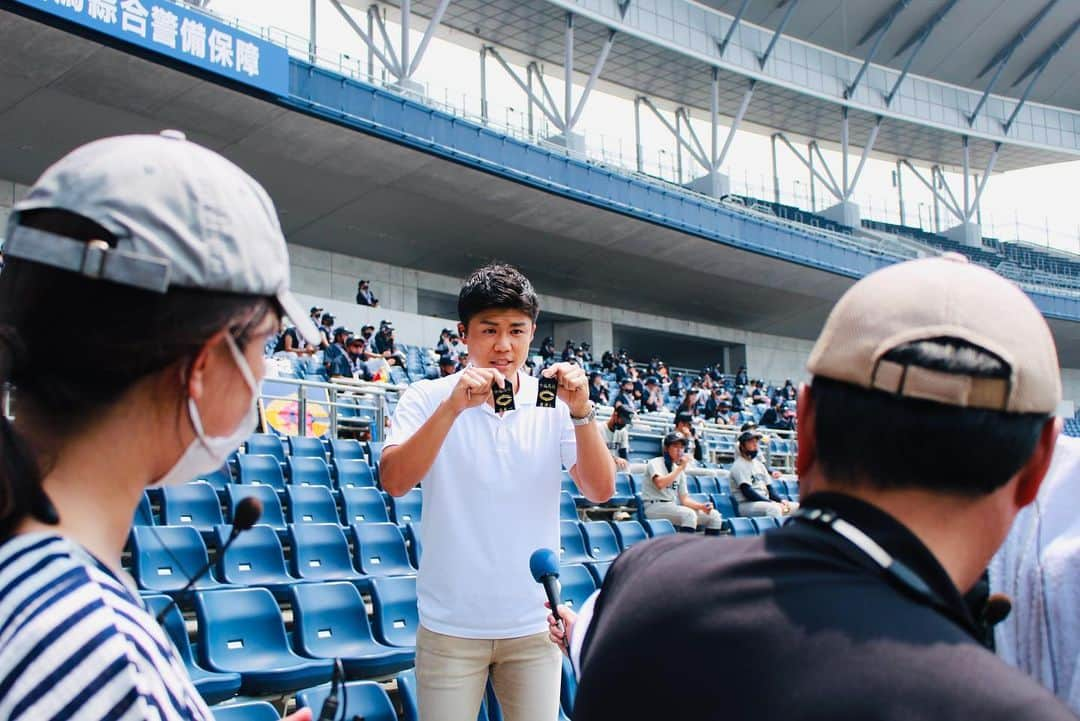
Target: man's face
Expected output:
[683,427]
[750,446]
[355,349]
[628,388]
[499,338]
[367,334]
[620,422]
[675,451]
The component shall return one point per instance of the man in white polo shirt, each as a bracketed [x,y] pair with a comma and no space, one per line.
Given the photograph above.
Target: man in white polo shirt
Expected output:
[491,485]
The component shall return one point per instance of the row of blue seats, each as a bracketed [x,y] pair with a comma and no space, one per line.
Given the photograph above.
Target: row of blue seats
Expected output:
[197,504]
[281,448]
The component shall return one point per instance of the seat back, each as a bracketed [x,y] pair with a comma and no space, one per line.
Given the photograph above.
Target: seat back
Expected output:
[309,471]
[144,513]
[306,447]
[577,584]
[628,533]
[600,537]
[778,488]
[415,542]
[173,623]
[255,557]
[742,526]
[624,485]
[354,472]
[723,504]
[363,699]
[657,527]
[247,711]
[164,561]
[239,628]
[362,505]
[271,504]
[320,551]
[408,508]
[326,616]
[193,504]
[708,484]
[765,523]
[567,509]
[311,504]
[572,548]
[395,618]
[347,449]
[598,569]
[266,444]
[219,479]
[261,470]
[380,550]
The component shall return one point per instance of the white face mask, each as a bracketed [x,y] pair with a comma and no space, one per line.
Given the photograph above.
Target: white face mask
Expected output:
[206,453]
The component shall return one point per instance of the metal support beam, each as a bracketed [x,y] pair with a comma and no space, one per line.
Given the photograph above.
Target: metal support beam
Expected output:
[881,29]
[900,191]
[867,148]
[975,204]
[813,196]
[406,16]
[792,4]
[390,65]
[433,25]
[691,132]
[529,105]
[1036,69]
[552,106]
[312,25]
[671,128]
[568,71]
[775,171]
[831,187]
[714,118]
[722,45]
[937,196]
[524,87]
[623,5]
[483,84]
[954,205]
[678,145]
[637,133]
[598,67]
[718,160]
[918,40]
[373,11]
[966,165]
[370,49]
[844,150]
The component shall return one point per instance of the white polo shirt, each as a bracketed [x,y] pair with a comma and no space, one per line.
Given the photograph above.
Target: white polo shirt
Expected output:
[490,499]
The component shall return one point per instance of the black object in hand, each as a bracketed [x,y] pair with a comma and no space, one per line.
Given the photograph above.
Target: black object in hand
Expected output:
[504,397]
[547,393]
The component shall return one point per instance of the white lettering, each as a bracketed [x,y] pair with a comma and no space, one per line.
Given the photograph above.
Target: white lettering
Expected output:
[247,58]
[193,38]
[164,26]
[103,10]
[221,48]
[133,17]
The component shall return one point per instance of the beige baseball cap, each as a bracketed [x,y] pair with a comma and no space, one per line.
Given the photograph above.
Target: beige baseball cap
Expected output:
[941,297]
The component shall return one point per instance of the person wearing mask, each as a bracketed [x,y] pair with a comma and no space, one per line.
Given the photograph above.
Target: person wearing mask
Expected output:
[749,481]
[664,490]
[626,396]
[386,346]
[741,378]
[353,363]
[447,366]
[335,350]
[684,424]
[585,354]
[616,433]
[598,390]
[88,439]
[653,398]
[547,349]
[771,416]
[569,354]
[364,296]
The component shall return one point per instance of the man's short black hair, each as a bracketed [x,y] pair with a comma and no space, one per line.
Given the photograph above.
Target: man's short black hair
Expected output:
[893,442]
[497,285]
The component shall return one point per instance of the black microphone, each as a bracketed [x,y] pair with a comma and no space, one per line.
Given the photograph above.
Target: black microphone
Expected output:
[997,609]
[247,514]
[544,565]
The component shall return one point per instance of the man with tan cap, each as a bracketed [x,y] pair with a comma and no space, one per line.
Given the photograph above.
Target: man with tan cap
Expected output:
[926,427]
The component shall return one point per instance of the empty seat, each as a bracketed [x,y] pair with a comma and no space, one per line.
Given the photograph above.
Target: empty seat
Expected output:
[272,514]
[320,552]
[347,449]
[362,505]
[362,699]
[374,455]
[779,489]
[241,631]
[191,504]
[214,687]
[247,711]
[692,485]
[380,550]
[598,569]
[577,584]
[657,527]
[724,505]
[624,490]
[572,548]
[219,478]
[262,470]
[628,533]
[254,559]
[330,621]
[765,523]
[407,508]
[144,513]
[792,489]
[306,447]
[395,617]
[742,526]
[164,558]
[354,472]
[415,543]
[600,540]
[708,485]
[305,471]
[311,504]
[265,444]
[567,509]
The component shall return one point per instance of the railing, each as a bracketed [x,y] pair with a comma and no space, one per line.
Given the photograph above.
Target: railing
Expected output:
[342,400]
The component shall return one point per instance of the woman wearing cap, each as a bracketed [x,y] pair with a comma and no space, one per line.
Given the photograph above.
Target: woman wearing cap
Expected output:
[664,490]
[160,396]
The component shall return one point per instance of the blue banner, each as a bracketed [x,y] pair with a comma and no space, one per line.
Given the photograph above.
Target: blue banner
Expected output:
[182,34]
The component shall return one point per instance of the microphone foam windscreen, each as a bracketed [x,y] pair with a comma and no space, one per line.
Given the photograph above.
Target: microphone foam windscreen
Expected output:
[543,562]
[247,514]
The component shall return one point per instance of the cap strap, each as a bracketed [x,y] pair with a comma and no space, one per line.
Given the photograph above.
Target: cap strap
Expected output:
[949,388]
[91,259]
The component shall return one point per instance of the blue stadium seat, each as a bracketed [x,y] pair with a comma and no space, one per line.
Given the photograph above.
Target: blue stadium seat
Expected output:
[165,557]
[765,523]
[362,505]
[657,527]
[572,548]
[407,508]
[306,447]
[598,569]
[724,505]
[577,584]
[364,700]
[374,455]
[311,504]
[271,505]
[568,688]
[628,533]
[219,479]
[241,631]
[212,686]
[347,449]
[792,489]
[416,544]
[254,559]
[304,471]
[600,540]
[567,509]
[265,444]
[395,617]
[193,504]
[708,485]
[624,491]
[692,485]
[261,470]
[354,472]
[380,550]
[742,526]
[330,621]
[144,513]
[247,711]
[779,489]
[320,552]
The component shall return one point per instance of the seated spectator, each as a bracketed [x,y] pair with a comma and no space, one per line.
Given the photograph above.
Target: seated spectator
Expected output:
[741,379]
[443,346]
[447,366]
[341,335]
[664,490]
[750,482]
[771,416]
[364,296]
[326,327]
[457,347]
[787,418]
[684,424]
[676,388]
[569,353]
[692,403]
[617,436]
[598,390]
[353,363]
[290,341]
[585,353]
[386,346]
[789,391]
[653,398]
[626,396]
[316,315]
[607,361]
[547,349]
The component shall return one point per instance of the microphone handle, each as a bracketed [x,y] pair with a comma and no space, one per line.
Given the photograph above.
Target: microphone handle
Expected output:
[551,588]
[191,581]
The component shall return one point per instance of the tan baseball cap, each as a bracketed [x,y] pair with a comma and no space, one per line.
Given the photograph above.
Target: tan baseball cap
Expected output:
[941,297]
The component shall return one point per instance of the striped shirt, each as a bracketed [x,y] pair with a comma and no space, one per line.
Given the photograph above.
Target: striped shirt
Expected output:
[77,643]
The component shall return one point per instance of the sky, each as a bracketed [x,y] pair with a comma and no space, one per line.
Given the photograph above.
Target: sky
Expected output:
[1035,205]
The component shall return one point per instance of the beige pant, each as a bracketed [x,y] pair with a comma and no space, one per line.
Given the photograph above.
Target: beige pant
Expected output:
[452,673]
[683,517]
[765,508]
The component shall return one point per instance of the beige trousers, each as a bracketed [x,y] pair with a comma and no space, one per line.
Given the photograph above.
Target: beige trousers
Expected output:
[452,673]
[683,517]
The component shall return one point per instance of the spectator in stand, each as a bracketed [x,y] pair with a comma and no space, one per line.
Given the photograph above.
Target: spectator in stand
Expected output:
[585,353]
[447,366]
[443,346]
[741,378]
[787,420]
[626,396]
[623,365]
[316,315]
[364,296]
[737,400]
[684,424]
[771,416]
[718,404]
[457,346]
[336,349]
[664,490]
[607,361]
[750,482]
[692,403]
[676,388]
[326,327]
[789,391]
[292,342]
[598,390]
[352,364]
[662,371]
[653,399]
[616,435]
[569,353]
[386,346]
[547,349]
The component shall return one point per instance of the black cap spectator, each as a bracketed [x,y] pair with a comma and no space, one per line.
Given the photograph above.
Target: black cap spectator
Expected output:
[447,366]
[364,296]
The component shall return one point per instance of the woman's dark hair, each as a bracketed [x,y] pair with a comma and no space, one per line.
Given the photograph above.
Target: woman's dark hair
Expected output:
[893,442]
[71,346]
[497,285]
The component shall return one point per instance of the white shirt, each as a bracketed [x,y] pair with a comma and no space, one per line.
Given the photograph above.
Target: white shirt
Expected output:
[490,499]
